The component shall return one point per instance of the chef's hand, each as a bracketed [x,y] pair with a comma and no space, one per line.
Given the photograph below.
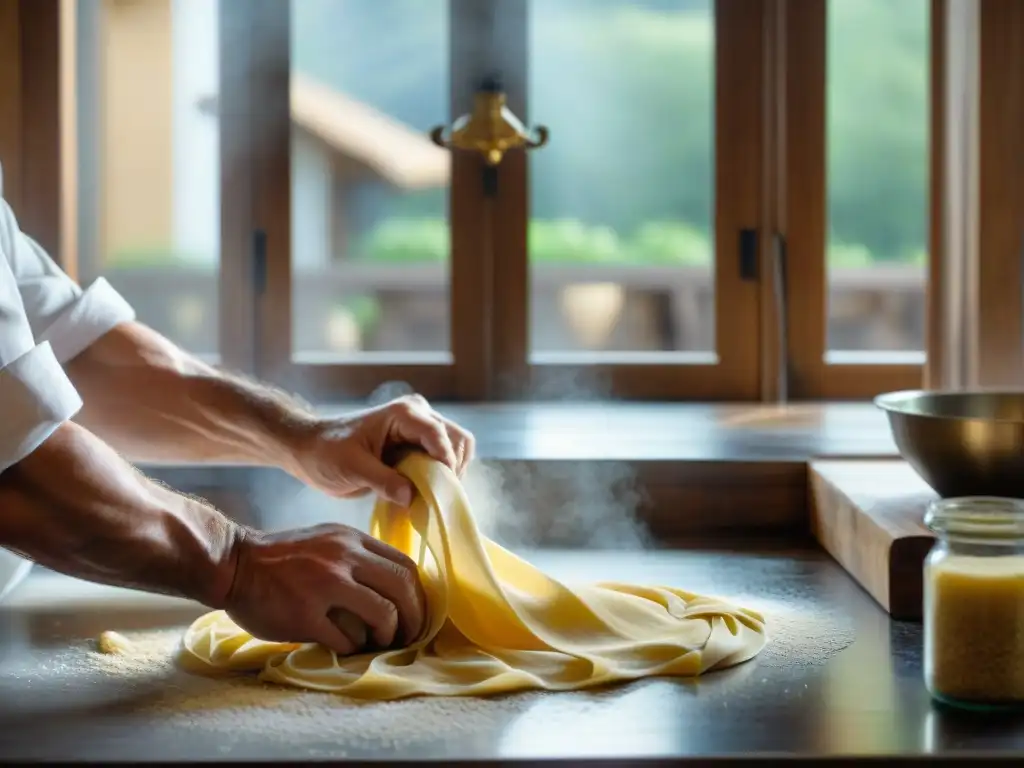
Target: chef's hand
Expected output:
[329,584]
[347,457]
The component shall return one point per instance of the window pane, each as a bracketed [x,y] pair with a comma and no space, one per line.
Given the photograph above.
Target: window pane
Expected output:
[878,121]
[149,160]
[621,230]
[369,189]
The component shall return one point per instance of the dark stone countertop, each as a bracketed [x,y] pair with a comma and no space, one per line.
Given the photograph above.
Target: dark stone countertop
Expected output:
[838,679]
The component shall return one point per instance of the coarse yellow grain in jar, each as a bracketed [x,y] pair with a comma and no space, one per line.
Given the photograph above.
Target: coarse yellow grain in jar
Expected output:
[974,603]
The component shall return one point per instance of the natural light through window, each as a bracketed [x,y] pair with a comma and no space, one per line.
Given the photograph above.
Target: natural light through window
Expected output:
[878,182]
[621,234]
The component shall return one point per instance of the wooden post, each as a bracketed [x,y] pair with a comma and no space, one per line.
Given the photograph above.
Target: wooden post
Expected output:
[976,336]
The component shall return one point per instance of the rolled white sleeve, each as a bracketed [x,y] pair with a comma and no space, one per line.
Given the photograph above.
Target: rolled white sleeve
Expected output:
[36,396]
[58,310]
[46,319]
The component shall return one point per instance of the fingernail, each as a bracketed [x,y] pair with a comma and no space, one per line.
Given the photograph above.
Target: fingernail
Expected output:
[403,496]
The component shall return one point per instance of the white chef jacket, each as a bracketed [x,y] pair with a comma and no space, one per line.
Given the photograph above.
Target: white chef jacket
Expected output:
[45,320]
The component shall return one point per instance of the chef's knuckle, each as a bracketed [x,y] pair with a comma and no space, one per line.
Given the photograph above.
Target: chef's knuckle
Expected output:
[438,433]
[405,406]
[343,574]
[385,618]
[344,537]
[405,567]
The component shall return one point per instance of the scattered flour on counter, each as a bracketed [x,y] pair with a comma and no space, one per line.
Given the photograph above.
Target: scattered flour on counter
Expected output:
[141,666]
[241,704]
[798,635]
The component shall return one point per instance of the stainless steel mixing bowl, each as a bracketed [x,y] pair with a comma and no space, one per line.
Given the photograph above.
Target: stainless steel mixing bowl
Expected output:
[961,443]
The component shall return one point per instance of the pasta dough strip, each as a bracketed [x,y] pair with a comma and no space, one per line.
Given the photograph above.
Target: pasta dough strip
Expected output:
[495,623]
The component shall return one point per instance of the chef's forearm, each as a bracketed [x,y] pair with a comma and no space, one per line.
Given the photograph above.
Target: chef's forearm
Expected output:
[74,505]
[154,402]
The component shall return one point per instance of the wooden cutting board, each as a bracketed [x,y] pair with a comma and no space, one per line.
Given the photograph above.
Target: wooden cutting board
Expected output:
[869,515]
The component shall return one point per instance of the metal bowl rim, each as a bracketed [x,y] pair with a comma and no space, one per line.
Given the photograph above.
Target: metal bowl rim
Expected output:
[890,402]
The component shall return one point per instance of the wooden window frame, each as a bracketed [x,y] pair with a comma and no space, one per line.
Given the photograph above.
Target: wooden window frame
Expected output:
[82,94]
[240,149]
[803,190]
[458,375]
[998,357]
[489,274]
[975,303]
[770,158]
[739,164]
[976,320]
[33,144]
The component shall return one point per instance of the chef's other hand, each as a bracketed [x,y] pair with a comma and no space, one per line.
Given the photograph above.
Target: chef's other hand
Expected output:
[307,585]
[346,457]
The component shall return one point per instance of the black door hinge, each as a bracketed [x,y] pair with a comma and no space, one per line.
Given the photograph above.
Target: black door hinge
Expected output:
[748,255]
[259,261]
[490,180]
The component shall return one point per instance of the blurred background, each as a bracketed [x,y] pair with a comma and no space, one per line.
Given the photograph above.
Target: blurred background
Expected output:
[621,234]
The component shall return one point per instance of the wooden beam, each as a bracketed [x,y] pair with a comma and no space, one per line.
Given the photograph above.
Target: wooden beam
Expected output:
[10,100]
[30,116]
[935,316]
[40,205]
[68,182]
[978,340]
[1000,193]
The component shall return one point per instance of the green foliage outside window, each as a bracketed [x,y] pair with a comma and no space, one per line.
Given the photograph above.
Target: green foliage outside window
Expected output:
[553,242]
[627,87]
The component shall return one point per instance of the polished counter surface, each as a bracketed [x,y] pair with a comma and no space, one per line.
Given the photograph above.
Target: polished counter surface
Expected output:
[623,431]
[838,678]
[697,468]
[673,431]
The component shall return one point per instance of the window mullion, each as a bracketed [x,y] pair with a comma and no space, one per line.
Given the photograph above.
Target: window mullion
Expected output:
[235,112]
[511,214]
[472,59]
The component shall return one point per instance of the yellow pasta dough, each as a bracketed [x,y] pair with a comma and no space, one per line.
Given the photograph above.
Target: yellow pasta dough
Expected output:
[496,623]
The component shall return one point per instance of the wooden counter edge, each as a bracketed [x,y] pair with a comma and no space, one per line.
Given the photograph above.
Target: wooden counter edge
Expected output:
[831,514]
[884,562]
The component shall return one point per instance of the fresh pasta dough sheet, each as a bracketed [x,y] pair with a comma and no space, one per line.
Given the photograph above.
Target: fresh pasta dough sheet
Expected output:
[495,623]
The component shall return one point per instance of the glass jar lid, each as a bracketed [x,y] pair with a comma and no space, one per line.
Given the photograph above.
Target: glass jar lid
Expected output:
[977,517]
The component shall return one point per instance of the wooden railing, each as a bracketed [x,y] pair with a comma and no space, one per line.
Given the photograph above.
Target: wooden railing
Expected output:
[664,307]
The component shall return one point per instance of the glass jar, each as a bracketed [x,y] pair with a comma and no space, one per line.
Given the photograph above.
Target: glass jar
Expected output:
[974,603]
